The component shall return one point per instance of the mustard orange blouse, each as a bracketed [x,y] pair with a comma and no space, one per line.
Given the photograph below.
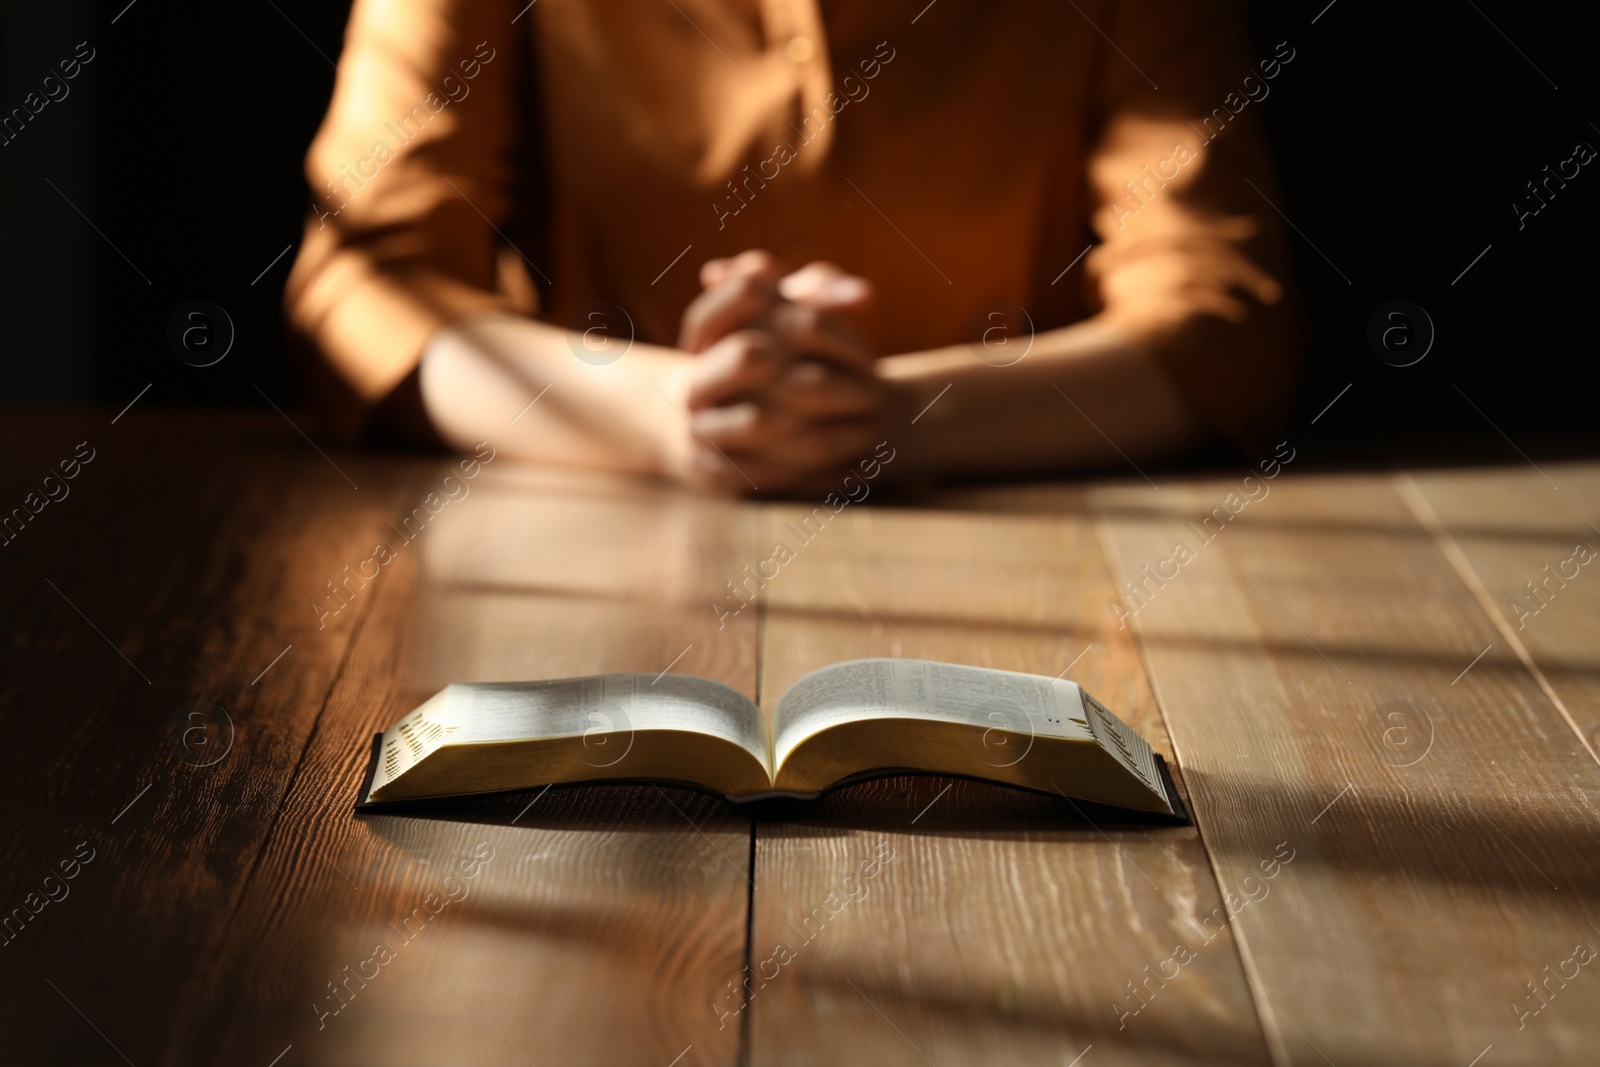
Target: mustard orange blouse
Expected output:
[497,154]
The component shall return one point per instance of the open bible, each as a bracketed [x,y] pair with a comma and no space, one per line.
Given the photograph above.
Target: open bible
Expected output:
[842,723]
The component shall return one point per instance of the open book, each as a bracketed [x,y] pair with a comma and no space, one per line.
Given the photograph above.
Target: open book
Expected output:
[842,723]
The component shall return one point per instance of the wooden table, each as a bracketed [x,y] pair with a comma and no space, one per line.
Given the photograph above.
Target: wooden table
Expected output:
[1391,769]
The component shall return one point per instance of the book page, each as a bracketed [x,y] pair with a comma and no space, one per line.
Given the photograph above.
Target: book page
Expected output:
[1118,738]
[1001,702]
[606,710]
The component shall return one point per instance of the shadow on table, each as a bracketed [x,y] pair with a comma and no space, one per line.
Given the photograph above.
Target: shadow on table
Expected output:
[1423,829]
[1420,827]
[908,803]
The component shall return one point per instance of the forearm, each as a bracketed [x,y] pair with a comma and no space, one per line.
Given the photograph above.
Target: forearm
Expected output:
[518,384]
[1083,396]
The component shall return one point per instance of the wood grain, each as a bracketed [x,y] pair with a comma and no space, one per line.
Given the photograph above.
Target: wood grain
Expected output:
[1342,670]
[189,549]
[1511,527]
[606,916]
[1311,659]
[996,926]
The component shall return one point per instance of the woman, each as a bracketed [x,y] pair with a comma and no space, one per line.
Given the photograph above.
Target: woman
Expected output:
[1026,238]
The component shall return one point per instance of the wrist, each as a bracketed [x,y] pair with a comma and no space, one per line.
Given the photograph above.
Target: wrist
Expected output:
[664,376]
[913,422]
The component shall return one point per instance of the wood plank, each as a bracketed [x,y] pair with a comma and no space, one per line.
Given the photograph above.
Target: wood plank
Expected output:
[176,568]
[918,919]
[607,916]
[1310,655]
[1517,526]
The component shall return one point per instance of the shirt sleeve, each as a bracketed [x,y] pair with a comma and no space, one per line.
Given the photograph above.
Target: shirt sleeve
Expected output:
[1192,262]
[411,175]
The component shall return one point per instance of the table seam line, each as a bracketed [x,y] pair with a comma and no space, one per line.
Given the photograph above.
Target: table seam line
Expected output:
[762,513]
[1111,559]
[245,883]
[1416,501]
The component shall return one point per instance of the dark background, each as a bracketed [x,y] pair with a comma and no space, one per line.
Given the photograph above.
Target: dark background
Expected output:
[1403,133]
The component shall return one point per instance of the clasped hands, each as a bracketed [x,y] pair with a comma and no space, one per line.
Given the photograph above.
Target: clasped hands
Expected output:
[782,395]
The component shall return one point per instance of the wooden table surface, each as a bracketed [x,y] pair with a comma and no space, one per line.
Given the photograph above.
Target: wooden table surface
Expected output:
[1391,768]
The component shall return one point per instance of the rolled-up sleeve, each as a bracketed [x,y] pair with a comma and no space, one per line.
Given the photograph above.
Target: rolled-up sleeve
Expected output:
[411,174]
[1192,263]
